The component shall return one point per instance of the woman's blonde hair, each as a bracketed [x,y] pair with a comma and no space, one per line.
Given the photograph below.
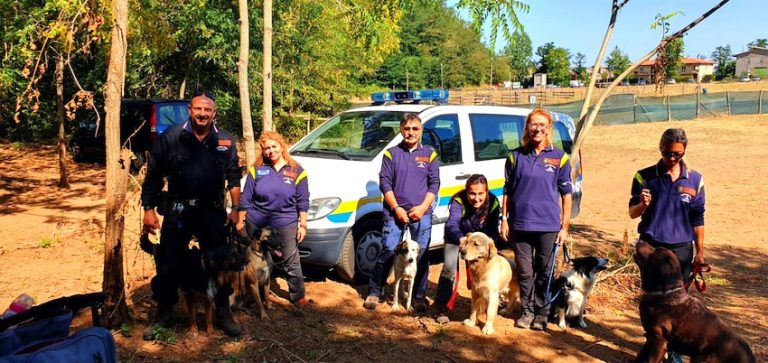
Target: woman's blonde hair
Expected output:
[538,112]
[276,137]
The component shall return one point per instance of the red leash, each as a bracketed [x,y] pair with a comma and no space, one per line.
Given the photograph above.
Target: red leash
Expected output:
[698,276]
[452,300]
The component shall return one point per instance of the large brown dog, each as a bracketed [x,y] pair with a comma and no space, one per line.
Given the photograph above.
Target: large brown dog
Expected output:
[255,279]
[491,275]
[676,321]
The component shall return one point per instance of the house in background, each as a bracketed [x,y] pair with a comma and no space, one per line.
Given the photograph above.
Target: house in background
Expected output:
[755,59]
[694,68]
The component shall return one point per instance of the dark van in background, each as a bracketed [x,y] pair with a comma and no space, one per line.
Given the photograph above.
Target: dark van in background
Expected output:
[144,119]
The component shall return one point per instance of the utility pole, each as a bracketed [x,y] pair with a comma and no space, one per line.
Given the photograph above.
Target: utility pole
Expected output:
[490,84]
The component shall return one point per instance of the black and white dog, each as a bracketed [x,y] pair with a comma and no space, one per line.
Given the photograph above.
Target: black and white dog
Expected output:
[574,287]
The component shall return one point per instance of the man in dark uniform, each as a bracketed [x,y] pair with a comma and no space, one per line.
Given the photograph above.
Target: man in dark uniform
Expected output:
[200,161]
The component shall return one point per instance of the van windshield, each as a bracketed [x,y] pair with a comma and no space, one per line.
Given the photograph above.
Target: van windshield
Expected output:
[354,135]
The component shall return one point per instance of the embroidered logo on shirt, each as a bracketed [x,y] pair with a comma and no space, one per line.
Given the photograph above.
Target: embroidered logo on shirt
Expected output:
[551,164]
[224,145]
[421,161]
[262,172]
[287,180]
[686,194]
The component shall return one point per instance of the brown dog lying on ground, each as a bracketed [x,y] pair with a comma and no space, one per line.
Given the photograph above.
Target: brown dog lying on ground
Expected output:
[676,321]
[255,279]
[491,275]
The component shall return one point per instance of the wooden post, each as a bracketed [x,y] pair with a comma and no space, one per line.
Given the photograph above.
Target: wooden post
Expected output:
[634,109]
[669,110]
[728,102]
[760,103]
[698,103]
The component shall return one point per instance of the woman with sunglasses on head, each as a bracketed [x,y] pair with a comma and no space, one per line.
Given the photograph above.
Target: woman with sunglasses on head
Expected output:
[474,209]
[536,212]
[669,199]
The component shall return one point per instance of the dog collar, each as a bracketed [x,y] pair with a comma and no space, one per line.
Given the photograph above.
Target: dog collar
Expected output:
[662,293]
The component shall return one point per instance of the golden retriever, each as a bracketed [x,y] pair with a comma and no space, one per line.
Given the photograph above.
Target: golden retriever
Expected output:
[491,275]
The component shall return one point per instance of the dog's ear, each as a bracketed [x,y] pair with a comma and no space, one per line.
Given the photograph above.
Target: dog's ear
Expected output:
[642,251]
[402,248]
[492,250]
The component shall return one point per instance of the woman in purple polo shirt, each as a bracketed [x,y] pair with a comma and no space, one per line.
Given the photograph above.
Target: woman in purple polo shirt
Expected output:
[536,212]
[276,195]
[473,209]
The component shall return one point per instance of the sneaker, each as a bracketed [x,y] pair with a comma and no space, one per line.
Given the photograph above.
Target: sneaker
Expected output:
[540,323]
[371,302]
[525,321]
[303,302]
[420,306]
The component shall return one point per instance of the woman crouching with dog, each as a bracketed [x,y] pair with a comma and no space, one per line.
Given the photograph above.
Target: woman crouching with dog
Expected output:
[473,209]
[276,195]
[536,212]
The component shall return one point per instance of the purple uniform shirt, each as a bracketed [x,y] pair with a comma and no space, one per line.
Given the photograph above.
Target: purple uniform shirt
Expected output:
[463,219]
[675,209]
[410,175]
[275,198]
[534,186]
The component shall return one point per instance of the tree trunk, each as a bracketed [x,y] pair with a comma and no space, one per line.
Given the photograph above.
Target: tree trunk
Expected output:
[118,162]
[63,175]
[242,79]
[267,124]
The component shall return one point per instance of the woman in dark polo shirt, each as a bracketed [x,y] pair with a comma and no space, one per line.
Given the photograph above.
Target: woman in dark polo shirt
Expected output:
[536,212]
[276,195]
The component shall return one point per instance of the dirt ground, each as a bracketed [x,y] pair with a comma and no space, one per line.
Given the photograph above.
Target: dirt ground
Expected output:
[52,246]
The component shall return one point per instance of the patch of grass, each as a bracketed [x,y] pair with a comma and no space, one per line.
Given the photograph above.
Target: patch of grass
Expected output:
[442,330]
[125,330]
[164,334]
[45,242]
[17,145]
[716,281]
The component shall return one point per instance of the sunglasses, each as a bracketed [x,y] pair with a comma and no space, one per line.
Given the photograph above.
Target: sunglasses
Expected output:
[672,154]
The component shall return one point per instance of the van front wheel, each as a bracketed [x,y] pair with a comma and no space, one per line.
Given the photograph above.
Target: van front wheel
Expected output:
[360,251]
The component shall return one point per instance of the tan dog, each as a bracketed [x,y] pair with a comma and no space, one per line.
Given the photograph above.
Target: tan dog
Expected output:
[404,270]
[674,320]
[491,276]
[255,279]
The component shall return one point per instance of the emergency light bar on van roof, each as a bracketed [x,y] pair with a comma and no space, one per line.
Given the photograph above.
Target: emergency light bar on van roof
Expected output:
[436,95]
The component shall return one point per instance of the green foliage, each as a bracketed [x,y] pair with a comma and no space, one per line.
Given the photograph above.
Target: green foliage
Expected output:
[125,330]
[617,61]
[519,51]
[436,49]
[45,243]
[555,62]
[578,63]
[164,334]
[673,55]
[759,42]
[501,14]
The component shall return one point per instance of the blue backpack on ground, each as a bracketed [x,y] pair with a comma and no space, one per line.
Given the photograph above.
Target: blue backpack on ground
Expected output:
[41,334]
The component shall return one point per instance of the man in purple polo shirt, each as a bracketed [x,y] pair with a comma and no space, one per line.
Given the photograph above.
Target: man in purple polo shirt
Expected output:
[410,181]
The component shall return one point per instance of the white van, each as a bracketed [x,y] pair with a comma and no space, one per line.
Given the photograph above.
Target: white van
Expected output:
[342,158]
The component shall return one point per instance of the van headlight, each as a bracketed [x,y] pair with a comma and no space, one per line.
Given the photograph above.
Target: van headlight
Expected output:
[322,207]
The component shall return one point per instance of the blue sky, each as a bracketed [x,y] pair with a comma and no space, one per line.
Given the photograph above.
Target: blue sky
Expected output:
[579,25]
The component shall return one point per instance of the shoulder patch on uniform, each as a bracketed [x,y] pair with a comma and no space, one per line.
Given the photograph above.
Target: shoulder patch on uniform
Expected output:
[433,156]
[563,160]
[301,176]
[387,154]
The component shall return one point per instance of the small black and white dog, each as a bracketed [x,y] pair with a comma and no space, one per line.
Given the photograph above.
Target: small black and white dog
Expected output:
[575,286]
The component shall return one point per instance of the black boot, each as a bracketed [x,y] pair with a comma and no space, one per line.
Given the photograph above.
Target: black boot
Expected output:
[163,319]
[226,321]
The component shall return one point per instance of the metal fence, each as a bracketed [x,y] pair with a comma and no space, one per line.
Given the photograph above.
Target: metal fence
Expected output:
[626,108]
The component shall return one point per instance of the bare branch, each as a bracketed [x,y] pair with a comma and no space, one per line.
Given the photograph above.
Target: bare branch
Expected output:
[583,126]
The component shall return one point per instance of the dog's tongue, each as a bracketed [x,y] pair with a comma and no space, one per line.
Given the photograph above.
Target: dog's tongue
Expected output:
[278,253]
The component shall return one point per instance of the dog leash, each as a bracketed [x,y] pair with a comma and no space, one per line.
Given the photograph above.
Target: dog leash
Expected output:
[553,258]
[452,300]
[698,277]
